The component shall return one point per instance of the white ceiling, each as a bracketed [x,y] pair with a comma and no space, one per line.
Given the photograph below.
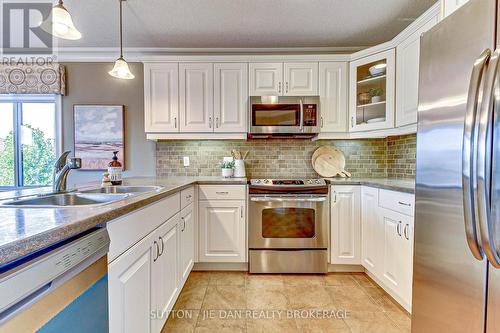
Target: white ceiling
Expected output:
[242,23]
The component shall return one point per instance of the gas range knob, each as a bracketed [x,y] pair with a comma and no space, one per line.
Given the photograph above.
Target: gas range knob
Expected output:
[266,181]
[318,181]
[310,181]
[257,181]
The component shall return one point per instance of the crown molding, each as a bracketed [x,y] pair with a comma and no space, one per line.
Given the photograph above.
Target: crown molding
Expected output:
[106,54]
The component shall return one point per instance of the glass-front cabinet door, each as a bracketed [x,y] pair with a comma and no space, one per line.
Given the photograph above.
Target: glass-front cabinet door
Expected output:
[371,93]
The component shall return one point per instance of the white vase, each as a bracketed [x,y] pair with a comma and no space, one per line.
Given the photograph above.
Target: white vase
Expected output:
[376,99]
[226,173]
[239,169]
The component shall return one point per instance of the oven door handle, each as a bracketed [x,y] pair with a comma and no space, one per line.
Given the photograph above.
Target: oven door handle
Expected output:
[282,199]
[301,116]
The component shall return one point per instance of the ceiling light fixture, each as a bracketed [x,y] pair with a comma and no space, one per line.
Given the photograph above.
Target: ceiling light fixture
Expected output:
[121,70]
[60,24]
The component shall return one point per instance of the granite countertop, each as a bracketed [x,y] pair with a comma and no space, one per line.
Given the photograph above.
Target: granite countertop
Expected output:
[400,185]
[26,230]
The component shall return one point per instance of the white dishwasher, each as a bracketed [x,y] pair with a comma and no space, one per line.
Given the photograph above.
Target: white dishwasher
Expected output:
[62,288]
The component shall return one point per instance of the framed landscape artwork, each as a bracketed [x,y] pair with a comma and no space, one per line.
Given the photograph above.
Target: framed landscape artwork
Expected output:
[99,130]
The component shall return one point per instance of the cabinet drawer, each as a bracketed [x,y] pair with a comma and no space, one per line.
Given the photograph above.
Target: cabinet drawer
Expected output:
[222,192]
[187,196]
[129,229]
[403,203]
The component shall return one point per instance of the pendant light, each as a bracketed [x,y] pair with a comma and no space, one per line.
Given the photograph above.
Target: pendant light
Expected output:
[60,24]
[121,70]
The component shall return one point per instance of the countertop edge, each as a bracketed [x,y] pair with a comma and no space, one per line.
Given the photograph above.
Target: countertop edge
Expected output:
[20,248]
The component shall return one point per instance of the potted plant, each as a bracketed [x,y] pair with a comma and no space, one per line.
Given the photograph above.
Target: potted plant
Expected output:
[227,168]
[376,94]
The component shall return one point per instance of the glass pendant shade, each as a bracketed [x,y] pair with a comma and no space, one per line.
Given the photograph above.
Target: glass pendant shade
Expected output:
[60,24]
[121,70]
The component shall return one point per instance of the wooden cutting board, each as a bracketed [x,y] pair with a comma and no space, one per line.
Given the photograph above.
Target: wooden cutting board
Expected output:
[327,166]
[332,162]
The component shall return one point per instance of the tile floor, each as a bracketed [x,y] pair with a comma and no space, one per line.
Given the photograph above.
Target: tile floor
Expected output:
[240,302]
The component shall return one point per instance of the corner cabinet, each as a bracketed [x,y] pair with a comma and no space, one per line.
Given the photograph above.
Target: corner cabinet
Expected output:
[371,92]
[345,225]
[407,75]
[284,79]
[371,231]
[333,96]
[161,97]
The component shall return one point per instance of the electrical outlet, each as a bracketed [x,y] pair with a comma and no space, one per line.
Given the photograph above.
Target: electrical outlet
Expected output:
[186,161]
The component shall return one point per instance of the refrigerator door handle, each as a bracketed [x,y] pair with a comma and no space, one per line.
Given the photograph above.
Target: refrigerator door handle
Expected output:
[468,148]
[484,152]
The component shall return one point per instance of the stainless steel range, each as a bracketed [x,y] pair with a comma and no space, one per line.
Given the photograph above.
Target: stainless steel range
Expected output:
[288,226]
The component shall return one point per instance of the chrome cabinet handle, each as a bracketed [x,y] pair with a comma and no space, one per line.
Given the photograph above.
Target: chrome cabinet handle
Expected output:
[175,122]
[157,251]
[321,122]
[287,87]
[183,224]
[241,212]
[398,228]
[352,121]
[216,122]
[487,226]
[407,226]
[279,87]
[404,203]
[162,245]
[222,192]
[335,197]
[209,122]
[189,196]
[468,154]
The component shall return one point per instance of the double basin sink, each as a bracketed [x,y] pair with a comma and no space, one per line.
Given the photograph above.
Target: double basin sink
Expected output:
[88,197]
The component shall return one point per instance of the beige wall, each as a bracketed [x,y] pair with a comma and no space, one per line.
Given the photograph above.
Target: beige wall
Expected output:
[89,83]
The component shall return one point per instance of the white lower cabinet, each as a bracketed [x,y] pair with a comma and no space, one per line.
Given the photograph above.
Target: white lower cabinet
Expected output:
[398,253]
[387,241]
[345,225]
[130,288]
[165,271]
[222,231]
[144,280]
[371,230]
[186,245]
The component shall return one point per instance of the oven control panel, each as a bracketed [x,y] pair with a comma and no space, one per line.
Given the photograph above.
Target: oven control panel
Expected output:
[288,182]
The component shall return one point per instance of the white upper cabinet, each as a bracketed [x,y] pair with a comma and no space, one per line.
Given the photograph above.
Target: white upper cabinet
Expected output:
[407,75]
[333,96]
[196,97]
[346,225]
[449,6]
[284,79]
[300,79]
[161,97]
[371,92]
[230,97]
[266,79]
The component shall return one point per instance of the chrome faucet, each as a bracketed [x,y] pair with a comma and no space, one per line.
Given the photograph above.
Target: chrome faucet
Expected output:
[61,170]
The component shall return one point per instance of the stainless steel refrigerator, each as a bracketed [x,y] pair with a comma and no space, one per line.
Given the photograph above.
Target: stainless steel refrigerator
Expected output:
[456,284]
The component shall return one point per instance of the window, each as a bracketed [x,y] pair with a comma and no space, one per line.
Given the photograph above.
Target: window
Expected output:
[28,140]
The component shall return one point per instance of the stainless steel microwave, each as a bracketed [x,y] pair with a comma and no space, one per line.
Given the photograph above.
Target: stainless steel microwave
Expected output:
[294,116]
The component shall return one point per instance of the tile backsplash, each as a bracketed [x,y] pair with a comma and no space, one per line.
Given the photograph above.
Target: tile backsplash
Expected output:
[388,157]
